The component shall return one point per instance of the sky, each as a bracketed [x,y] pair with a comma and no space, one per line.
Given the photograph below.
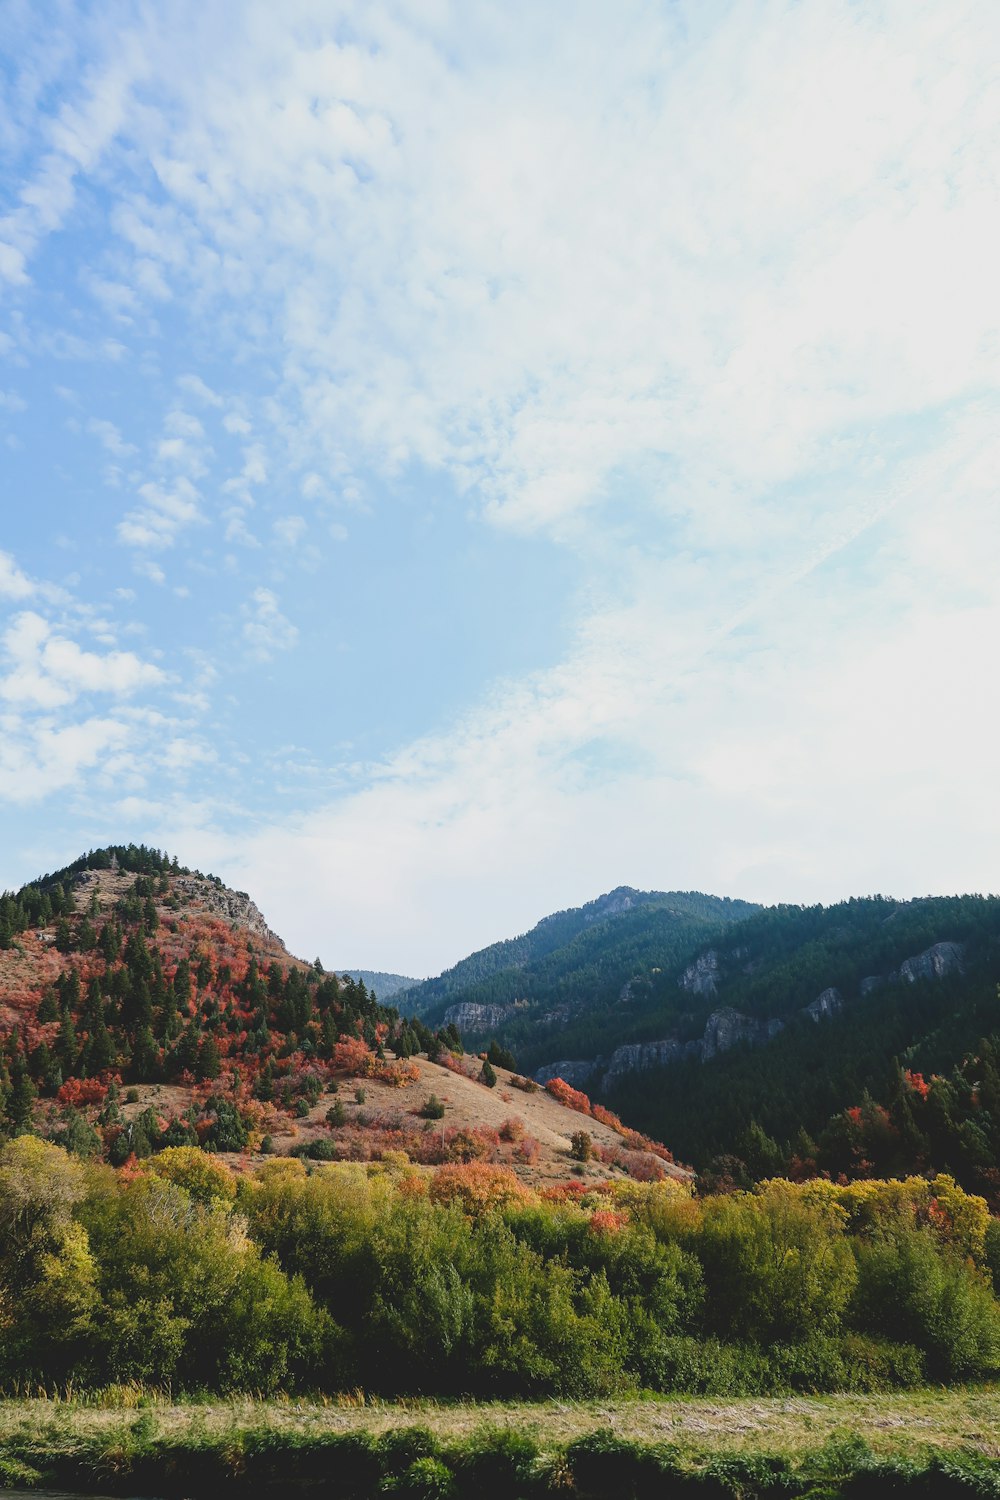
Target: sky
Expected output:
[458,458]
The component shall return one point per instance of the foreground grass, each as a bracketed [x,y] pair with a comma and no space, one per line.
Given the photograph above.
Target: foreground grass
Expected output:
[933,1442]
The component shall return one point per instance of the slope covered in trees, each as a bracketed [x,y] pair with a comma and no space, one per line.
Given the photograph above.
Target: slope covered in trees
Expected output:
[568,972]
[125,968]
[894,1073]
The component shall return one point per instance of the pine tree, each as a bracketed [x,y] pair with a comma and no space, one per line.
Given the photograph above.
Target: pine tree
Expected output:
[22,1098]
[209,1063]
[145,1057]
[66,1045]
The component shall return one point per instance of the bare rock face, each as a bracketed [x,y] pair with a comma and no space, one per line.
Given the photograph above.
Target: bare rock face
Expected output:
[702,977]
[934,963]
[724,1029]
[231,906]
[635,1057]
[826,1005]
[575,1071]
[612,905]
[728,1028]
[476,1018]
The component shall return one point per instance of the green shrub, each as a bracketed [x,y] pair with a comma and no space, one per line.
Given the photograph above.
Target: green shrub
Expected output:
[495,1464]
[911,1291]
[425,1479]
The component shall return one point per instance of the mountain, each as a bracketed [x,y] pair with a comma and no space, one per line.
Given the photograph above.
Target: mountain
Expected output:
[856,1038]
[567,978]
[145,1005]
[384,985]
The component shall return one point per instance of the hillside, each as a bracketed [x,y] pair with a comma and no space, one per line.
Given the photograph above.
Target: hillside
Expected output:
[862,1037]
[568,978]
[856,1037]
[144,1005]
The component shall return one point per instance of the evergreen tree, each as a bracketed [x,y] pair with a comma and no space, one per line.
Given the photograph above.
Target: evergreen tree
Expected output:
[22,1098]
[209,1063]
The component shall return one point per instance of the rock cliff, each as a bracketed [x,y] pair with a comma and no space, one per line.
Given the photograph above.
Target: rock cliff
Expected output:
[933,963]
[702,976]
[476,1019]
[232,906]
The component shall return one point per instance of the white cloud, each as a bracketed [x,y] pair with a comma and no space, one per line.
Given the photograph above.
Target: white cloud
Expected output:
[193,385]
[266,630]
[151,570]
[110,438]
[13,583]
[167,509]
[47,670]
[39,760]
[290,530]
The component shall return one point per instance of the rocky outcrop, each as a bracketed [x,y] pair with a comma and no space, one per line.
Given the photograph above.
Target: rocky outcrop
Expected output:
[575,1072]
[724,1029]
[635,1057]
[232,906]
[826,1005]
[623,898]
[933,963]
[469,1017]
[702,977]
[728,1028]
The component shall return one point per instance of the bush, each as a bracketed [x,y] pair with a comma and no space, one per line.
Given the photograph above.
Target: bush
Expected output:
[910,1291]
[581,1145]
[495,1463]
[432,1108]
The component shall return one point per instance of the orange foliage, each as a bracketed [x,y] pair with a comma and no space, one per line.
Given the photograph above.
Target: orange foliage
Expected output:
[571,1098]
[78,1091]
[476,1187]
[606,1221]
[917,1083]
[354,1056]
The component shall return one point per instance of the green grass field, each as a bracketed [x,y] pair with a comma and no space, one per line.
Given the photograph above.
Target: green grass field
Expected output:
[128,1443]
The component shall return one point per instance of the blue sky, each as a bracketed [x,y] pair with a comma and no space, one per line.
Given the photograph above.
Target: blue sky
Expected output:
[460,458]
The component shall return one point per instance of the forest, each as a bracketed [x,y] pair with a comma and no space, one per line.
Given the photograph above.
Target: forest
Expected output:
[179,1275]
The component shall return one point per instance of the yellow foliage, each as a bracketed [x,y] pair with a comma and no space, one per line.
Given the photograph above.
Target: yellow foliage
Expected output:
[205,1178]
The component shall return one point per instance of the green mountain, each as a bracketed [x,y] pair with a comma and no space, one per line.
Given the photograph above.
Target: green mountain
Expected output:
[851,1039]
[869,1020]
[571,980]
